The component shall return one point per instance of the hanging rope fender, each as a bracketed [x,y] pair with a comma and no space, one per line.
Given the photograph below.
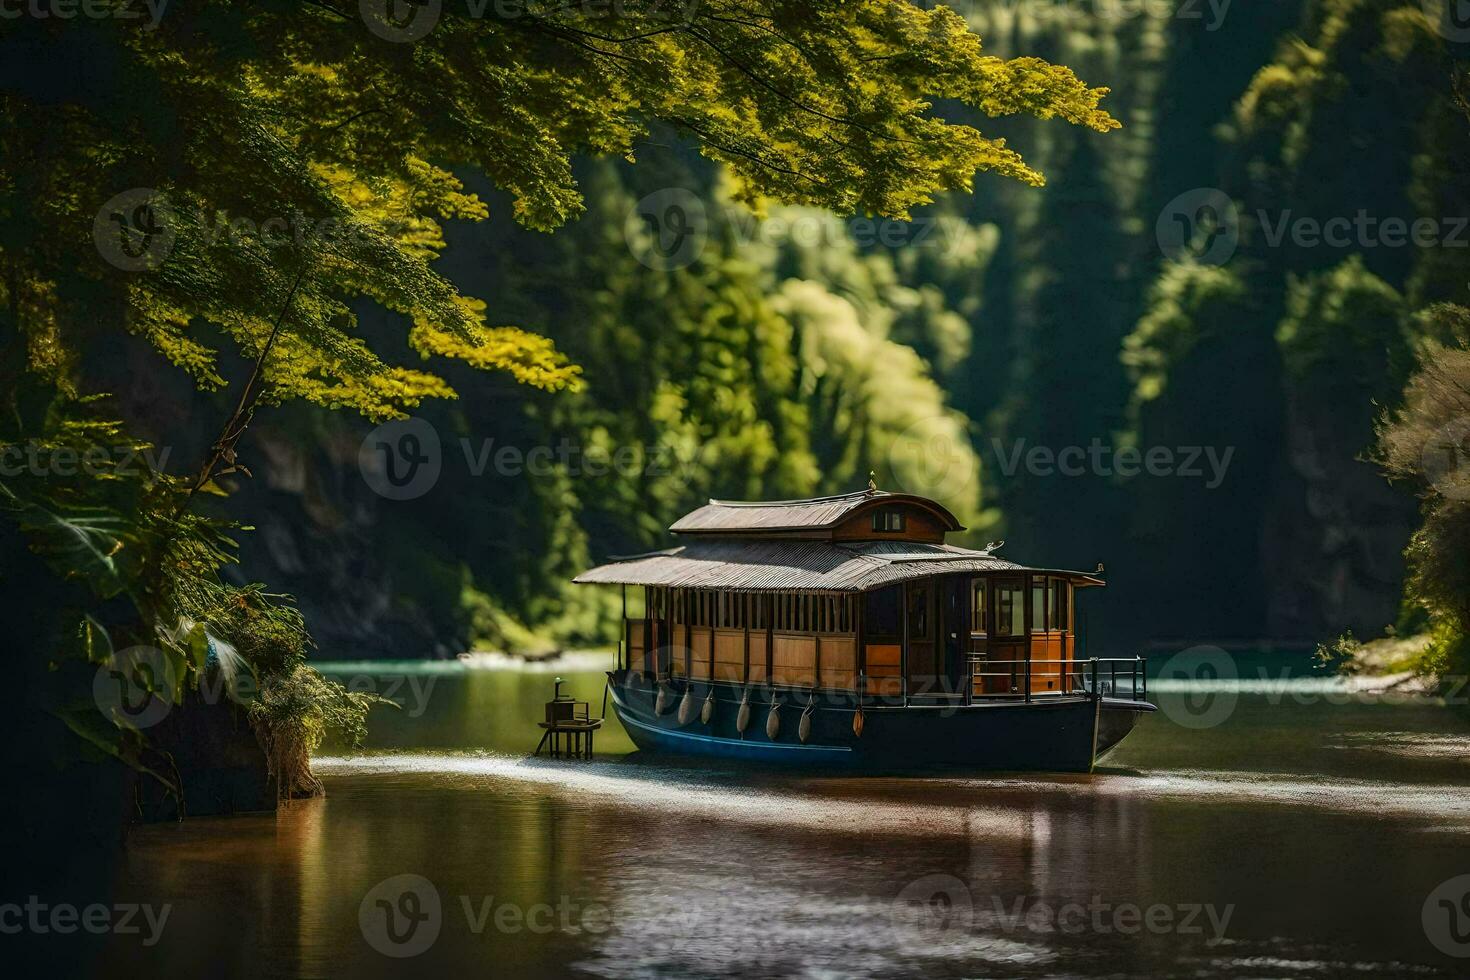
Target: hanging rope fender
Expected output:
[804,727]
[686,705]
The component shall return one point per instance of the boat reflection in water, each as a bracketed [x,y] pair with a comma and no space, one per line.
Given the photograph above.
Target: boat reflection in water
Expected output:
[843,632]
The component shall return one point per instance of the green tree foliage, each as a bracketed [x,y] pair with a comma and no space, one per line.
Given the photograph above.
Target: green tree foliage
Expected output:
[1424,442]
[786,361]
[1344,336]
[1325,332]
[243,115]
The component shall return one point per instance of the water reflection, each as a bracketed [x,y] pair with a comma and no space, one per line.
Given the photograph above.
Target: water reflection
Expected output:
[1292,841]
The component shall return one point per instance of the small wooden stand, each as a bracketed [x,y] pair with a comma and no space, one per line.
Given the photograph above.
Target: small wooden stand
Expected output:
[569,727]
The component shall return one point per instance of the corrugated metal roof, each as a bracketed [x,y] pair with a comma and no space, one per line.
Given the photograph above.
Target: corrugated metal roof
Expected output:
[789,515]
[797,566]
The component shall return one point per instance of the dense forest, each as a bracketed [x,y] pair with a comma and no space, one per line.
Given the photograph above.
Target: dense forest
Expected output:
[1181,354]
[793,352]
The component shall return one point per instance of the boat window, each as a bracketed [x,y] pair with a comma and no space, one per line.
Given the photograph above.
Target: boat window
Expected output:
[918,612]
[978,590]
[1058,604]
[1038,605]
[1010,614]
[888,520]
[881,611]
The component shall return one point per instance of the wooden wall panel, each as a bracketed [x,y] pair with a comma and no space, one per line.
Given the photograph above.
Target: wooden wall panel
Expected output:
[757,661]
[884,668]
[794,659]
[838,662]
[919,525]
[700,640]
[730,655]
[1046,669]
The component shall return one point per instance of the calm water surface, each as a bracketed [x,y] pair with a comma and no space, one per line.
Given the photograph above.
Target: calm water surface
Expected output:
[1300,837]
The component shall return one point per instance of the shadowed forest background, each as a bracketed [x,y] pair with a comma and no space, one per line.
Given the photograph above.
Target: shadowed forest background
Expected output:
[793,353]
[781,365]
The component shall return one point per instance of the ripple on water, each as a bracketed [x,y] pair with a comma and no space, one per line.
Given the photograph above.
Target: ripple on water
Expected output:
[948,806]
[1409,745]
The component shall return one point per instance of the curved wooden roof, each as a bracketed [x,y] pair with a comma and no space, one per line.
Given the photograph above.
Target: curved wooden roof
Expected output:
[813,514]
[802,565]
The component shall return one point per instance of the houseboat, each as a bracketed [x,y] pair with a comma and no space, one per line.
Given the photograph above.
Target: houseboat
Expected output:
[844,632]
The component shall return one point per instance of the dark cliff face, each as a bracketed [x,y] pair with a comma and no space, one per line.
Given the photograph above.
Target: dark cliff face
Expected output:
[369,577]
[1332,546]
[370,583]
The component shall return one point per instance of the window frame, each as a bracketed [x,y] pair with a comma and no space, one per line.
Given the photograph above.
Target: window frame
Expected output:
[890,520]
[1015,587]
[1039,584]
[979,619]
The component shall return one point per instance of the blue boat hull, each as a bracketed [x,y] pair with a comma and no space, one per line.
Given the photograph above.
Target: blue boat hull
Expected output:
[1065,734]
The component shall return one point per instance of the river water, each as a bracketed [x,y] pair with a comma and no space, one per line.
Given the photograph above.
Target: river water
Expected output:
[1255,828]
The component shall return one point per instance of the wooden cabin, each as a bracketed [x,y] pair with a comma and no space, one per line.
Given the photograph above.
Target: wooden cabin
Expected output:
[857,594]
